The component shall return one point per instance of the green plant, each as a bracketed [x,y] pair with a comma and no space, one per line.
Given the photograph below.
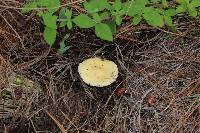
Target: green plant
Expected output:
[189,6]
[63,48]
[17,81]
[46,10]
[197,97]
[104,16]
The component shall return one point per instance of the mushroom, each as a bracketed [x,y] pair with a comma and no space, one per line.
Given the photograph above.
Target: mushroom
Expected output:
[98,72]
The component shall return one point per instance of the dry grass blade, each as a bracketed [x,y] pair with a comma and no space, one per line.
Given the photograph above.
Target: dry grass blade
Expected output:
[61,127]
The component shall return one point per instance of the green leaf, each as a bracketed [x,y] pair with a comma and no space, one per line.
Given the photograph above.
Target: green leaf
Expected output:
[159,10]
[29,6]
[40,13]
[83,21]
[192,11]
[49,35]
[183,1]
[62,13]
[165,3]
[63,48]
[67,19]
[118,20]
[153,17]
[195,3]
[168,21]
[117,5]
[69,24]
[96,17]
[136,19]
[50,20]
[155,1]
[63,24]
[96,5]
[103,31]
[181,8]
[112,26]
[121,12]
[18,81]
[88,7]
[170,12]
[68,13]
[105,15]
[141,2]
[52,5]
[133,8]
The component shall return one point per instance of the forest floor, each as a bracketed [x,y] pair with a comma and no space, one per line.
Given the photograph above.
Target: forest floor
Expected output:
[157,91]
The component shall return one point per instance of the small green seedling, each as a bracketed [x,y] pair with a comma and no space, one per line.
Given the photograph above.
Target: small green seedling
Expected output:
[197,99]
[6,95]
[18,81]
[63,48]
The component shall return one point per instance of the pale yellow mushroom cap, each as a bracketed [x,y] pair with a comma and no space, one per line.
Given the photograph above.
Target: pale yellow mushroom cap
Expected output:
[98,72]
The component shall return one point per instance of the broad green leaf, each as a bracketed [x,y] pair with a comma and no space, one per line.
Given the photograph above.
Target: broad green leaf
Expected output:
[195,3]
[88,7]
[102,4]
[49,35]
[165,3]
[117,5]
[181,8]
[96,17]
[29,6]
[133,8]
[170,12]
[103,31]
[96,5]
[114,13]
[182,1]
[83,21]
[153,17]
[121,12]
[192,11]
[159,10]
[168,21]
[141,2]
[50,20]
[51,5]
[118,20]
[126,6]
[136,19]
[112,26]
